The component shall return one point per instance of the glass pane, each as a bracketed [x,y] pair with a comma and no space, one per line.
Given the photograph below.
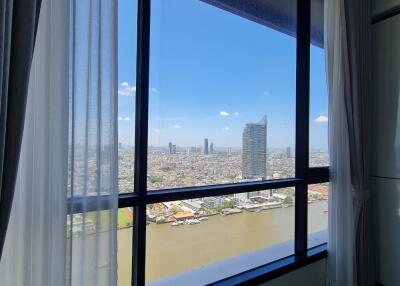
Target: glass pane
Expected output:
[317,214]
[125,239]
[93,230]
[127,17]
[319,155]
[210,238]
[222,94]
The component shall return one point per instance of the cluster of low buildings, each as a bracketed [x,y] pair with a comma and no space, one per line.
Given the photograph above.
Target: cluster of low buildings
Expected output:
[184,210]
[185,169]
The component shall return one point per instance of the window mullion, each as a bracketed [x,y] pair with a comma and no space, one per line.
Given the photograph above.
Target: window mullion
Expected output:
[141,137]
[302,123]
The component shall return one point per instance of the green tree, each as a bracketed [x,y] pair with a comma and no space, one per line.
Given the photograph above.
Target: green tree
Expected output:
[228,205]
[288,200]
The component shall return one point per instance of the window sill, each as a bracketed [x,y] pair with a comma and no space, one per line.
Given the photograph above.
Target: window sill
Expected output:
[275,269]
[252,267]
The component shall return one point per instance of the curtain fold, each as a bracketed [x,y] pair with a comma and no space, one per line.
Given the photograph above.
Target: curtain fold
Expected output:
[93,153]
[34,252]
[63,224]
[347,44]
[18,24]
[358,18]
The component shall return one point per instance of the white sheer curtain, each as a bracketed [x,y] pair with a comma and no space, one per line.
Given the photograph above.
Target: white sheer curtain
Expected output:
[69,153]
[347,34]
[341,259]
[92,233]
[34,252]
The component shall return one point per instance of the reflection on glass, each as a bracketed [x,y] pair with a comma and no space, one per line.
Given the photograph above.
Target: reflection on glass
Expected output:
[222,97]
[188,234]
[317,214]
[127,18]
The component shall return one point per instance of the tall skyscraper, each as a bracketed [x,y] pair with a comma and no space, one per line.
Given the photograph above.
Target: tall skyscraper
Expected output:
[211,148]
[170,147]
[174,149]
[288,152]
[205,150]
[254,150]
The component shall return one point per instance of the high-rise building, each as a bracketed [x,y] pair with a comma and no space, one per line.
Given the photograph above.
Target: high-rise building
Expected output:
[211,148]
[170,147]
[174,149]
[254,150]
[288,152]
[205,148]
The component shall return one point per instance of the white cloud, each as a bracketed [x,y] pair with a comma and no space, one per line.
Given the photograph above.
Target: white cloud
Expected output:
[226,128]
[125,89]
[224,113]
[236,113]
[157,130]
[177,126]
[120,118]
[321,119]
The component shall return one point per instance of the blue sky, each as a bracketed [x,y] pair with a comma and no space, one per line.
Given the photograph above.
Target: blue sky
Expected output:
[211,72]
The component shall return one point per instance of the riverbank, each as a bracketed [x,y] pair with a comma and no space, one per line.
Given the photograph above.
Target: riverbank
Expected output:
[171,250]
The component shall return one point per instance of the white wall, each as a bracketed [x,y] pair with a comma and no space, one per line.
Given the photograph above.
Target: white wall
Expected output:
[385,171]
[310,275]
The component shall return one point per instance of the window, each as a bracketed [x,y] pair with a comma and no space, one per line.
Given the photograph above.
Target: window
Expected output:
[222,102]
[317,214]
[127,19]
[213,231]
[216,137]
[319,156]
[124,244]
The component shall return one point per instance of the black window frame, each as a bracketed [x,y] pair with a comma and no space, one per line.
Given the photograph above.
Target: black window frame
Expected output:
[304,175]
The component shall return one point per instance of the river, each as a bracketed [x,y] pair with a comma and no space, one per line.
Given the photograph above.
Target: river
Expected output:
[170,250]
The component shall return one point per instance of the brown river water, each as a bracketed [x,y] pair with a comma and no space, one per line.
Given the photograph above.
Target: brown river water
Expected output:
[170,250]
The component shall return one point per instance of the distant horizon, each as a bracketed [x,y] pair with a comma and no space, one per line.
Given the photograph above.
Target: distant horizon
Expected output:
[215,146]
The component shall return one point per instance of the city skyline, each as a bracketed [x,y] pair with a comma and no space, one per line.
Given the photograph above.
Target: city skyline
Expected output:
[217,148]
[208,148]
